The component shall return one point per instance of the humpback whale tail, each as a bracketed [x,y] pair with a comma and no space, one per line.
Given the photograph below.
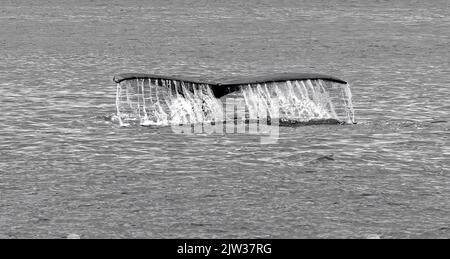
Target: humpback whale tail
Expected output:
[290,97]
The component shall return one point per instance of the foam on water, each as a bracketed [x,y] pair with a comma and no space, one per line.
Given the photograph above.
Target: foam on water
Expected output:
[171,102]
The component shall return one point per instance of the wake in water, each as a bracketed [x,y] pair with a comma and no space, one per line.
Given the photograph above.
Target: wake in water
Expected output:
[159,101]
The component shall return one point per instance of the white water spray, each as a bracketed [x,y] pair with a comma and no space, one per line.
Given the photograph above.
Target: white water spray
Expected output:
[166,102]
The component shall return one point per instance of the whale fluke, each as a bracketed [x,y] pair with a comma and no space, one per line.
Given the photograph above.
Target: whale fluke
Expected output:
[293,98]
[224,87]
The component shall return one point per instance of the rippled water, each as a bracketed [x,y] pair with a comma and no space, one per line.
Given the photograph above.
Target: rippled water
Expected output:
[65,167]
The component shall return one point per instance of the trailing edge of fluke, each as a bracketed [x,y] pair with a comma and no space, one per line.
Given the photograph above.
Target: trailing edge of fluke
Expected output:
[221,88]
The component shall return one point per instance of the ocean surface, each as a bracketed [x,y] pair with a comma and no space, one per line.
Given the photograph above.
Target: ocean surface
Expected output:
[67,168]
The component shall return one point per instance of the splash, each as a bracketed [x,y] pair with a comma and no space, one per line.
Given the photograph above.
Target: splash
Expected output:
[166,102]
[300,100]
[174,102]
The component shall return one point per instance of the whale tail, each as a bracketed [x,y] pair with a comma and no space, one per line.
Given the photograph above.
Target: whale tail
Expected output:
[292,98]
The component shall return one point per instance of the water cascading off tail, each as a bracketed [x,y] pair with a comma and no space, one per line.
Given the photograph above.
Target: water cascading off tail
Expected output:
[166,102]
[156,100]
